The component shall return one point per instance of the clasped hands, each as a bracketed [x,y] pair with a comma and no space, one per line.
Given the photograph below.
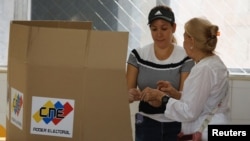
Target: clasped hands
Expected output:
[150,95]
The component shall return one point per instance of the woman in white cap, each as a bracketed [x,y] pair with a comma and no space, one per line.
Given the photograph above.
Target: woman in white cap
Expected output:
[161,60]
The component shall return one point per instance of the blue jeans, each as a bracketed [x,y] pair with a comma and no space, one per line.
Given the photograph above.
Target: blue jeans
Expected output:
[147,129]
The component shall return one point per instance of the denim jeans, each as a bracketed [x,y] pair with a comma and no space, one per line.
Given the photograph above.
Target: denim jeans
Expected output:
[147,129]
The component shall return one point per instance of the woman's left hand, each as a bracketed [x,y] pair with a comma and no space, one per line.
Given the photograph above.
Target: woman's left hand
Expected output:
[152,96]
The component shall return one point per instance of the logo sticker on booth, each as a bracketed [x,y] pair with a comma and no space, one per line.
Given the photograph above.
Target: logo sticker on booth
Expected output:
[52,116]
[16,108]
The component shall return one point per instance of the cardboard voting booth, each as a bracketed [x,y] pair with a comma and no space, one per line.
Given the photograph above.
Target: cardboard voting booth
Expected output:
[66,82]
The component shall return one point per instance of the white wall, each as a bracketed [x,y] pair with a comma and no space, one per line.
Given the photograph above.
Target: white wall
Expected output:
[3,95]
[240,99]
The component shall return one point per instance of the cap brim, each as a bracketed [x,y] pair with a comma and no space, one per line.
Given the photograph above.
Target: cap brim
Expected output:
[160,17]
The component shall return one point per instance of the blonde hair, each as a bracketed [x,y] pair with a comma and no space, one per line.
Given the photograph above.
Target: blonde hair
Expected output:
[203,32]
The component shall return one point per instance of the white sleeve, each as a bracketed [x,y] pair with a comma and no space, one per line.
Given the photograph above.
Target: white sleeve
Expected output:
[195,93]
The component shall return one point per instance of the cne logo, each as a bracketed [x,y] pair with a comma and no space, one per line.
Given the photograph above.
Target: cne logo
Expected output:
[17,103]
[52,112]
[16,107]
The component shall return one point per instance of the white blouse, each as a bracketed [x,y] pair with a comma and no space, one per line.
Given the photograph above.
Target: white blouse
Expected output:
[205,87]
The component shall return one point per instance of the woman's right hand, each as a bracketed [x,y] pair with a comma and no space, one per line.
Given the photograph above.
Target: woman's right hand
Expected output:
[134,95]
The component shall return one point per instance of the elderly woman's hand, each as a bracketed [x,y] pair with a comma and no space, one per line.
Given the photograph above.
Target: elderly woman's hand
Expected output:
[167,88]
[164,86]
